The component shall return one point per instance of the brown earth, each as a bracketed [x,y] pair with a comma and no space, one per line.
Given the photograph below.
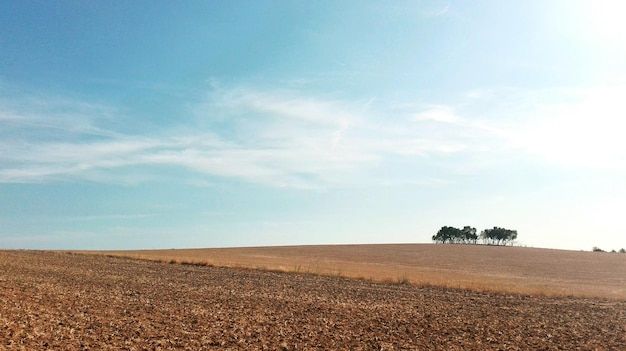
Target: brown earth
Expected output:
[476,267]
[62,301]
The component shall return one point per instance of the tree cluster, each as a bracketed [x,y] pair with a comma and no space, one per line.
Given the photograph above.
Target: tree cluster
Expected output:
[498,236]
[597,249]
[467,235]
[453,235]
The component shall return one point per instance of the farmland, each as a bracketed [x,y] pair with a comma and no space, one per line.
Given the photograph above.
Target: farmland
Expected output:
[476,267]
[69,301]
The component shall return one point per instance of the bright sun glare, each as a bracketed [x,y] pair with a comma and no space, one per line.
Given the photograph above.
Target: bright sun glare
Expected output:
[586,133]
[607,20]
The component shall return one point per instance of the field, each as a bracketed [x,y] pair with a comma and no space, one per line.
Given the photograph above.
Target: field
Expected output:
[70,301]
[476,267]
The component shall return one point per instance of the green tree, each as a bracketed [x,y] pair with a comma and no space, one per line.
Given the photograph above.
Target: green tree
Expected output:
[453,235]
[498,236]
[447,235]
[469,234]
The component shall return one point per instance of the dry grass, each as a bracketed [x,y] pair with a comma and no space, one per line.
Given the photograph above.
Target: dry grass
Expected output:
[476,267]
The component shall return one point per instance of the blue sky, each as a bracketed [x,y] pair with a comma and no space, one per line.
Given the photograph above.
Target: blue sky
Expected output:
[160,124]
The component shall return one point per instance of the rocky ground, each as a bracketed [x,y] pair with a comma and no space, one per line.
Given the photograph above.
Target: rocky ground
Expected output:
[61,301]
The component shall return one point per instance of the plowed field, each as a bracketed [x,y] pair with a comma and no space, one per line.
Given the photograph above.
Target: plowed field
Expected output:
[61,301]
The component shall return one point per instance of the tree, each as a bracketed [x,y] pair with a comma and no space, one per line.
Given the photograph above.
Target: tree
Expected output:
[453,235]
[447,235]
[622,250]
[469,234]
[498,236]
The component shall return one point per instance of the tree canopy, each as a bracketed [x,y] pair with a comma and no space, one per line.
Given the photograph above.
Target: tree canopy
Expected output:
[498,236]
[453,235]
[467,235]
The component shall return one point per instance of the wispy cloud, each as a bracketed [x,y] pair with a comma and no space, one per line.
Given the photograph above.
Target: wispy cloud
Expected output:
[442,12]
[24,113]
[437,9]
[288,139]
[276,138]
[93,218]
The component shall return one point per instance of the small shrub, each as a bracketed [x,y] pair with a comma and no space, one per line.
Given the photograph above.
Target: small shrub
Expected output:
[403,281]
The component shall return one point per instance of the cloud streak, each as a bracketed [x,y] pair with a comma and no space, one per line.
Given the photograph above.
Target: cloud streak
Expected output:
[274,138]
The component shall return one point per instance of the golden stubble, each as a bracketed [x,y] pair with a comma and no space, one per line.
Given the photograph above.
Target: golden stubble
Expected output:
[475,267]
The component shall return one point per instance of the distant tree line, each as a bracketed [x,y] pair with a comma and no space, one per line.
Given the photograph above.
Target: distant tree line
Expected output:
[597,249]
[467,235]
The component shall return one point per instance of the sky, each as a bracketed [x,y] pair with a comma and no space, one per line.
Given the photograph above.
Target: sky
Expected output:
[163,124]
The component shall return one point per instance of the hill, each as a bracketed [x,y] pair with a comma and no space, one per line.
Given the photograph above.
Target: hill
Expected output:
[476,267]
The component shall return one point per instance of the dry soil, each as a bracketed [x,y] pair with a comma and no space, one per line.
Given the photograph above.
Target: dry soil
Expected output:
[62,301]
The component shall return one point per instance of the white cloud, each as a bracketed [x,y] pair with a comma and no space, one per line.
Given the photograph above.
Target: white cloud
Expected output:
[443,114]
[437,9]
[480,94]
[51,116]
[105,217]
[276,138]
